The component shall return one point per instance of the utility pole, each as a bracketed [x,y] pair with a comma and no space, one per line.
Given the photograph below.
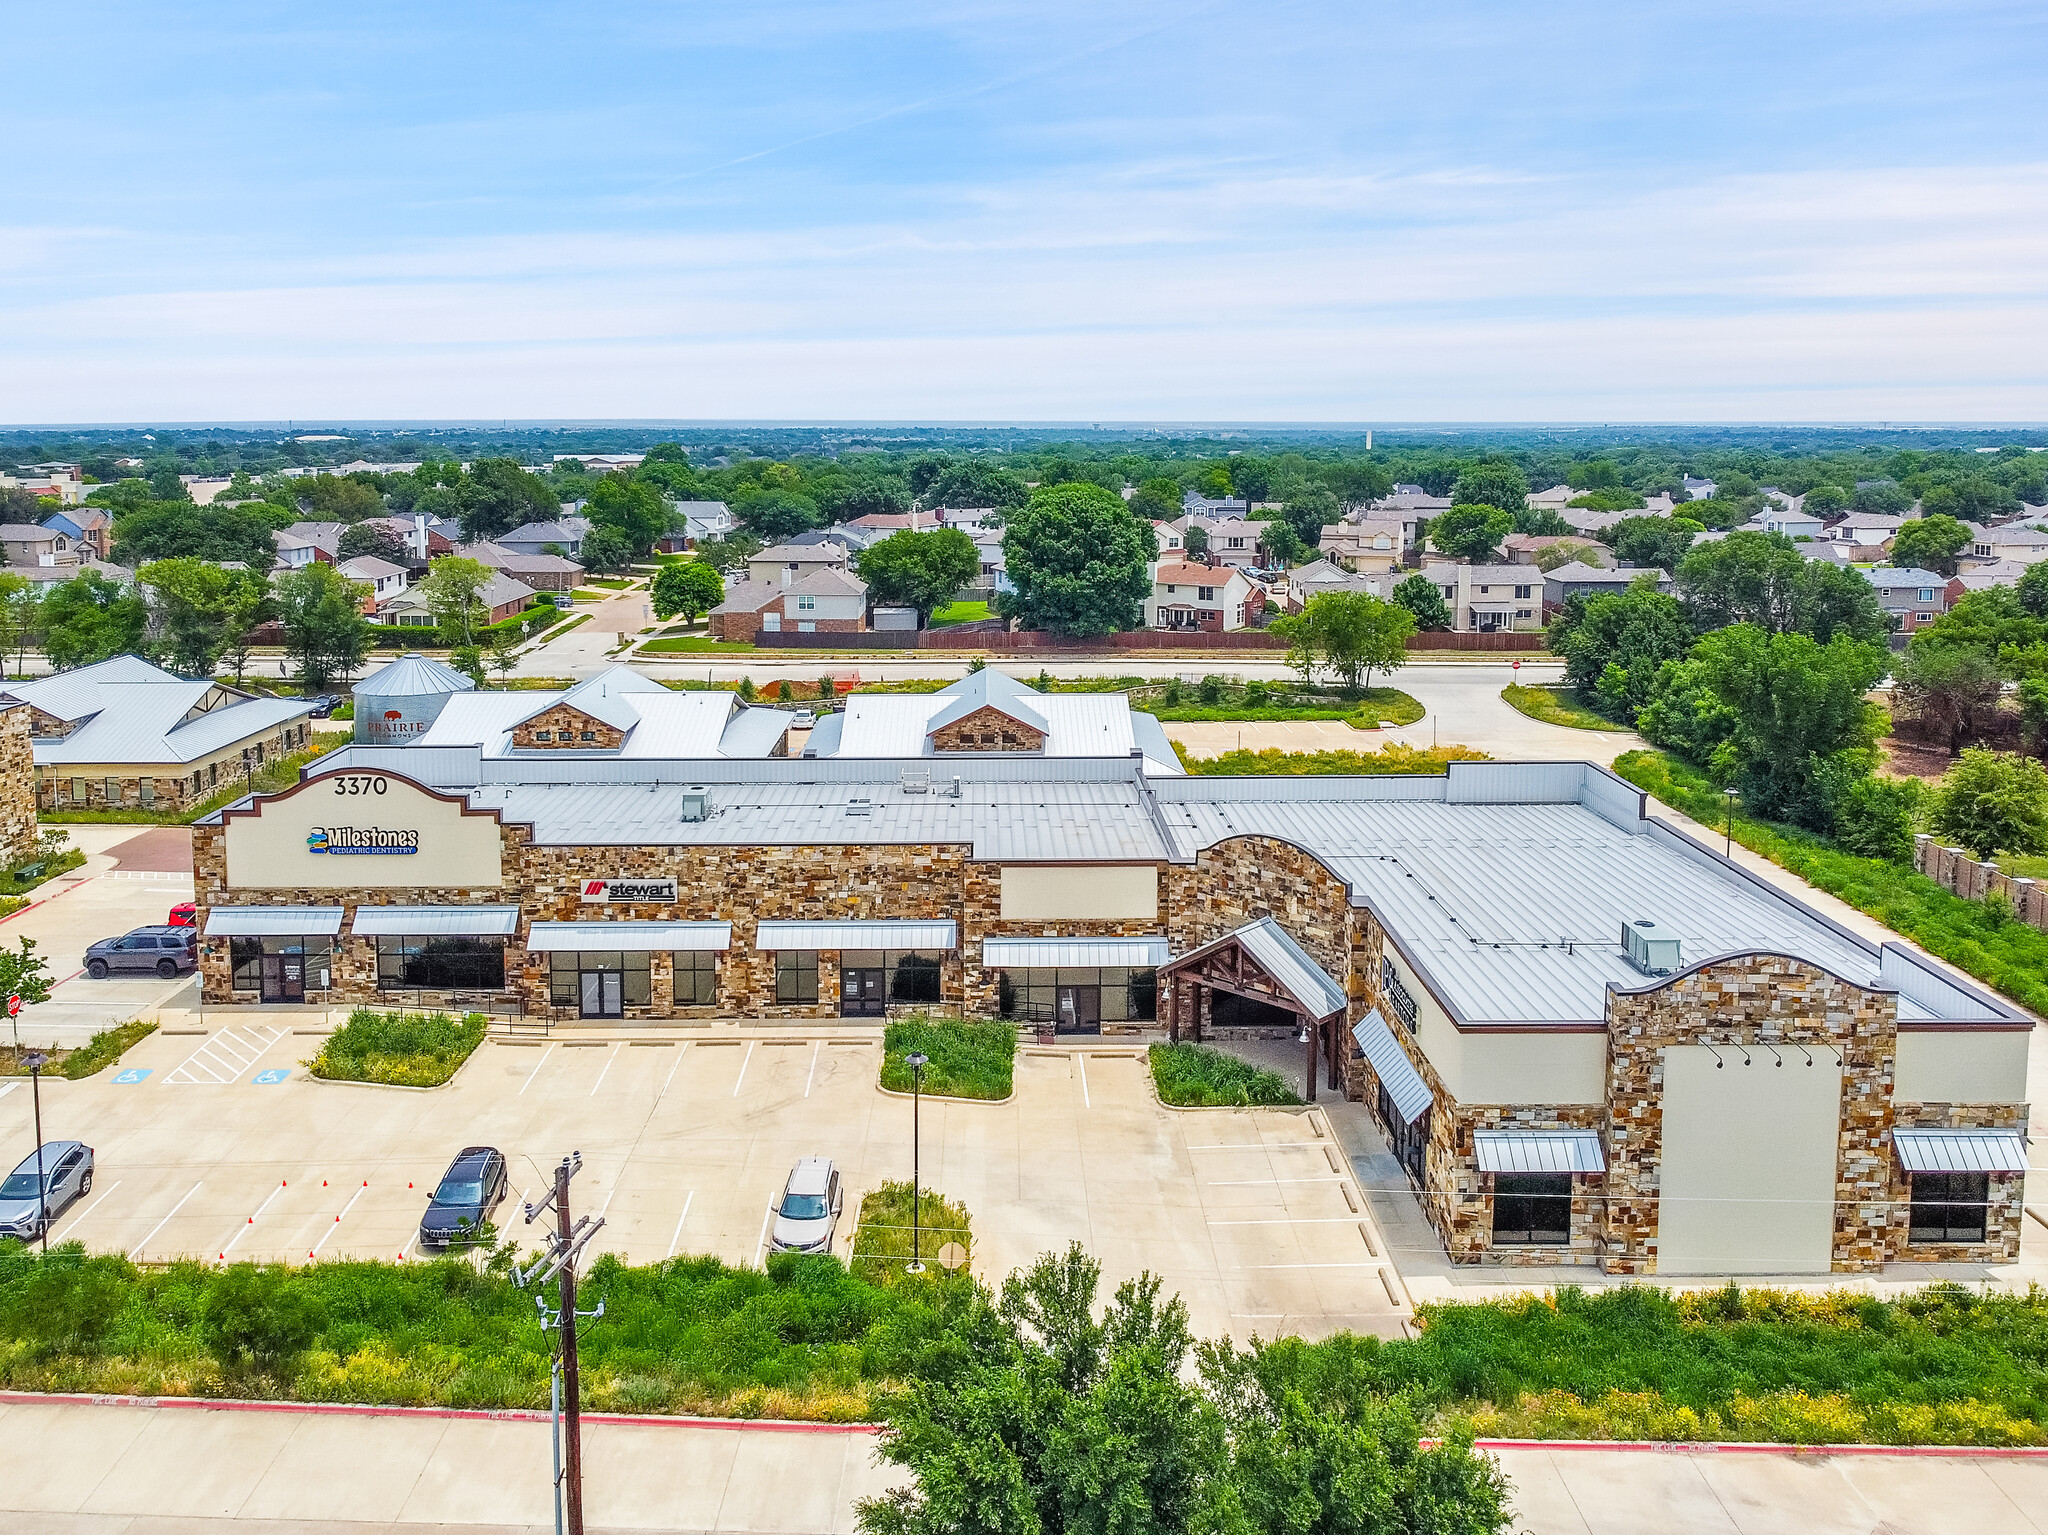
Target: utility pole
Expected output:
[558,1261]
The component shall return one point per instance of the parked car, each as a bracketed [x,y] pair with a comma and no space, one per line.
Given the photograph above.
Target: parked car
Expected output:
[324,705]
[807,1219]
[802,719]
[165,950]
[468,1192]
[184,914]
[67,1174]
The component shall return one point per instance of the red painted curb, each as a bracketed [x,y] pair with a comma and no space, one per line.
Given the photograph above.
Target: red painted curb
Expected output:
[1764,1447]
[474,1414]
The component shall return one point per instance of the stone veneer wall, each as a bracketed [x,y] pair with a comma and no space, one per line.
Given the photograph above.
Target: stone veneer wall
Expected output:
[988,729]
[17,786]
[981,908]
[565,726]
[172,786]
[1974,880]
[1755,1000]
[2007,1190]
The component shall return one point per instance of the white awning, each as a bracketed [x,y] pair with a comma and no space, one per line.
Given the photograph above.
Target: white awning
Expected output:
[1051,953]
[631,937]
[273,921]
[1539,1151]
[1397,1074]
[1961,1151]
[436,921]
[886,933]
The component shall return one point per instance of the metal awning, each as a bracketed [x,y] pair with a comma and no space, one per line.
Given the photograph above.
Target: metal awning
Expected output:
[1961,1151]
[1051,953]
[273,921]
[631,937]
[885,933]
[1397,1074]
[1539,1151]
[436,921]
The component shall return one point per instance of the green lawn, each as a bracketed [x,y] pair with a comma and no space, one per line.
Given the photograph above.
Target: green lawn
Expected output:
[1556,706]
[1194,1076]
[969,1057]
[959,613]
[611,583]
[1367,707]
[687,644]
[884,1238]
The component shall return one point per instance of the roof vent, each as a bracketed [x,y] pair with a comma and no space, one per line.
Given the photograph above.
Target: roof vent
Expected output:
[1651,947]
[916,780]
[860,805]
[696,803]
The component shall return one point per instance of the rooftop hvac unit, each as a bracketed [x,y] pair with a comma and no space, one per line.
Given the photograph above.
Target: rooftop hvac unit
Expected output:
[1651,947]
[696,803]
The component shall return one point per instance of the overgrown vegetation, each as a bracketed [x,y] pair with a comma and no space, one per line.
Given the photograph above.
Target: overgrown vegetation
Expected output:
[969,1057]
[95,1055]
[398,1049]
[1556,706]
[1973,935]
[884,1238]
[1394,757]
[1194,1076]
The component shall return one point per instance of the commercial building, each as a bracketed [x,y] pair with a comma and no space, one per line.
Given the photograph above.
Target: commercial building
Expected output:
[125,732]
[1589,1038]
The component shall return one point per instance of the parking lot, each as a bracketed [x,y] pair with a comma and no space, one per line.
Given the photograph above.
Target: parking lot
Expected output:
[218,1145]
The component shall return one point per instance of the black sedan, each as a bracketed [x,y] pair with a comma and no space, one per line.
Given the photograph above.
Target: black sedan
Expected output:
[469,1191]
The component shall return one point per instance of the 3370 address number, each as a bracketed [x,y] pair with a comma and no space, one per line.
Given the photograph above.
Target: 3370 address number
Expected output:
[354,784]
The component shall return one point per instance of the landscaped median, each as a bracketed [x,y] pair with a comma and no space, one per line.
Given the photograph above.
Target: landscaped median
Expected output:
[1556,706]
[967,1057]
[886,1238]
[95,1055]
[398,1049]
[1196,1077]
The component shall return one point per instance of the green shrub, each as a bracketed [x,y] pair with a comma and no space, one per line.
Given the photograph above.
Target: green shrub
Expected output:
[969,1057]
[1194,1076]
[253,1317]
[1394,757]
[398,1049]
[105,1048]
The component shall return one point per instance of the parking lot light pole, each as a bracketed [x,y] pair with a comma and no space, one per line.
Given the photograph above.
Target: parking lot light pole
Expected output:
[917,1063]
[35,1061]
[1728,845]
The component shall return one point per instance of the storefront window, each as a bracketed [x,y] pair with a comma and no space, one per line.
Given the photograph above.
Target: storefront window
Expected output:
[796,975]
[1128,995]
[567,967]
[246,955]
[1532,1209]
[696,983]
[1949,1207]
[908,975]
[440,963]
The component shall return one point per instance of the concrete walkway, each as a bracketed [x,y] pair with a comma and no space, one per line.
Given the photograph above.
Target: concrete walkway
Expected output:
[86,1468]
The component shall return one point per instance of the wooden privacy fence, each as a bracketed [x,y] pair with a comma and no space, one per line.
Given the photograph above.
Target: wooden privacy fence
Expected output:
[1007,642]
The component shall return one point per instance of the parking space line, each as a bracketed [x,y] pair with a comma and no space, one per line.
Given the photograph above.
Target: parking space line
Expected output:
[1253,1146]
[736,1081]
[248,1225]
[358,1194]
[523,1086]
[815,1048]
[10,1087]
[761,1241]
[82,1214]
[224,1050]
[163,1223]
[1296,1220]
[672,1071]
[1259,1183]
[678,1236]
[1082,1061]
[606,1067]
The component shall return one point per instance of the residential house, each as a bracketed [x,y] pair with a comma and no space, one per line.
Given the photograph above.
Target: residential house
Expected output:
[1552,500]
[27,544]
[307,543]
[1869,531]
[1489,599]
[1579,579]
[1528,548]
[1231,540]
[1412,500]
[1791,522]
[2022,542]
[91,528]
[538,572]
[1294,590]
[701,520]
[823,599]
[1913,597]
[502,597]
[384,579]
[1366,546]
[1983,576]
[1699,490]
[126,733]
[566,534]
[61,483]
[1197,505]
[1209,599]
[45,579]
[787,563]
[1582,520]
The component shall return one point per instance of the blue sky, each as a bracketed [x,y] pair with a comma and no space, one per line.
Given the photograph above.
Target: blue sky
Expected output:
[983,210]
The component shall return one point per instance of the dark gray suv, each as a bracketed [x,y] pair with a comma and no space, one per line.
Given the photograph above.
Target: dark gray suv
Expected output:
[164,951]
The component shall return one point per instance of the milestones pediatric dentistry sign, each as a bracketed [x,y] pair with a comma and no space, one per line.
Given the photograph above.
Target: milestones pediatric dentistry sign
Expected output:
[362,831]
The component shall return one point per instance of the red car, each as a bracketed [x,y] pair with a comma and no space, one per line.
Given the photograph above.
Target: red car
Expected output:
[182,915]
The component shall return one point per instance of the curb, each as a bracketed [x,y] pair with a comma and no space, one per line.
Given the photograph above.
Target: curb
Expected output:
[1766,1447]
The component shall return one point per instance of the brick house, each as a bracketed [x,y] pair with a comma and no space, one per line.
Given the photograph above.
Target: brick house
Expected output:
[1205,599]
[826,600]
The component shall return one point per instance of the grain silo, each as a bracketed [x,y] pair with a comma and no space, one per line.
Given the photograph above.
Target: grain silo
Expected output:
[395,704]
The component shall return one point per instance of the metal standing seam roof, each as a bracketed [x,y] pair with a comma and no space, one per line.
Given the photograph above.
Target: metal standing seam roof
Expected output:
[1960,1151]
[1539,1151]
[878,933]
[436,921]
[1289,964]
[631,937]
[1397,1074]
[145,722]
[74,694]
[273,921]
[1052,953]
[413,674]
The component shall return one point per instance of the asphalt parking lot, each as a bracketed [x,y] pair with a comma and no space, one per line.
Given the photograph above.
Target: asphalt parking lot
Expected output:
[219,1146]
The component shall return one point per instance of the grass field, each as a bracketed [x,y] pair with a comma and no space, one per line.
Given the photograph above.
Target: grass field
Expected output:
[886,1239]
[969,1057]
[1394,757]
[695,644]
[959,613]
[1556,706]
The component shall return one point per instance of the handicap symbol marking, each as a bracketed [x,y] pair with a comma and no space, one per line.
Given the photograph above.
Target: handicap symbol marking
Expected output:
[271,1077]
[132,1075]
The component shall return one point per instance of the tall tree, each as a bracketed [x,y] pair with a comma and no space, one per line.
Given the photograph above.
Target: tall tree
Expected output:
[90,618]
[1310,509]
[775,515]
[325,633]
[1079,560]
[1992,802]
[1471,532]
[1352,634]
[974,482]
[198,610]
[1615,644]
[1654,543]
[1496,482]
[1421,596]
[453,592]
[919,570]
[498,495]
[691,588]
[632,508]
[177,530]
[1930,543]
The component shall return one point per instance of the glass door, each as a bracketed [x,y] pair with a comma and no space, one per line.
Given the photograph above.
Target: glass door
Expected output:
[284,978]
[1078,1010]
[601,994]
[863,992]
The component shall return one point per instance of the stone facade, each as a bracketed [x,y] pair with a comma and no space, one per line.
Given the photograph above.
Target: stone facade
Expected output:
[1763,999]
[563,725]
[988,729]
[17,786]
[85,786]
[2002,1220]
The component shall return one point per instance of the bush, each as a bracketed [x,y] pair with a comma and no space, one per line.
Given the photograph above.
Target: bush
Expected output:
[105,1048]
[1194,1076]
[969,1058]
[398,1049]
[1394,757]
[1992,802]
[253,1318]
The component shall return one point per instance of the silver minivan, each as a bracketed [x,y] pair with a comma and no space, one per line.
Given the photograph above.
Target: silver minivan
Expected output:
[807,1216]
